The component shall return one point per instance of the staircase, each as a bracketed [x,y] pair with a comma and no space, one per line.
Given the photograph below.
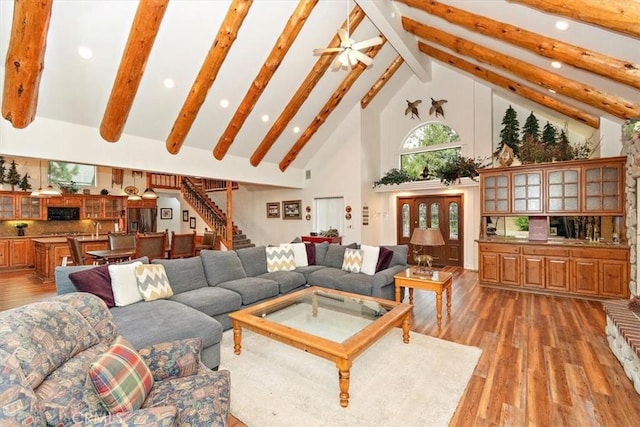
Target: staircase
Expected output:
[193,191]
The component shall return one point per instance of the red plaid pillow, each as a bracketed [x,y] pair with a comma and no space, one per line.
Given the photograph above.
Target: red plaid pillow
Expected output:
[121,378]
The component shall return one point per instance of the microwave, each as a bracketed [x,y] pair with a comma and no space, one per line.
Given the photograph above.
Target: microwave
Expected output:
[62,214]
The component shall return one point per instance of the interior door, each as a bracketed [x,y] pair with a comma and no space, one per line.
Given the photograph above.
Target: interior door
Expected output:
[443,212]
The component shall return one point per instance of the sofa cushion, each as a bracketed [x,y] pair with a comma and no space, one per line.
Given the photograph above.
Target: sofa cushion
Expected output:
[151,322]
[184,274]
[311,253]
[44,335]
[121,378]
[399,254]
[254,260]
[175,359]
[222,266]
[335,255]
[352,261]
[96,281]
[384,259]
[280,258]
[326,277]
[252,289]
[287,280]
[370,255]
[123,283]
[361,284]
[299,252]
[64,284]
[152,282]
[18,402]
[321,252]
[211,300]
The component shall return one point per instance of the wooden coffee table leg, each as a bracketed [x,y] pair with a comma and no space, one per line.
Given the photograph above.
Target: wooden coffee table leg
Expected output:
[344,367]
[237,337]
[449,299]
[439,307]
[406,327]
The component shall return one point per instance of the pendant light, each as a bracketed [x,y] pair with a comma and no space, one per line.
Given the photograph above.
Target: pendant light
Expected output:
[149,194]
[134,197]
[50,191]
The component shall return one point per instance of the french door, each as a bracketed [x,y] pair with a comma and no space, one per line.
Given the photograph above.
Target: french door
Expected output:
[443,212]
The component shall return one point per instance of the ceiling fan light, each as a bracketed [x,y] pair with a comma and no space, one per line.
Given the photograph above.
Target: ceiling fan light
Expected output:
[344,59]
[149,194]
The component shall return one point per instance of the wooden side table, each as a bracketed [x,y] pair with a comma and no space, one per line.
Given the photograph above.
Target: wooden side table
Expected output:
[411,280]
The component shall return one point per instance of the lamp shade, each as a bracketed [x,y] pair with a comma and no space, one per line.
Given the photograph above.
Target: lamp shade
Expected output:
[149,194]
[427,237]
[50,191]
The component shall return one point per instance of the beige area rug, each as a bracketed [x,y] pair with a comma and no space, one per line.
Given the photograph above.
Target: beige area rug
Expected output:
[392,383]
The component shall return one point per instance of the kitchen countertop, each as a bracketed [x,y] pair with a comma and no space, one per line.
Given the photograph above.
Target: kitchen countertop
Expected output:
[63,238]
[553,242]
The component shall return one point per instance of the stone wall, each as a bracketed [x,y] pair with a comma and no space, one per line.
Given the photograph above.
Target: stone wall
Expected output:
[631,147]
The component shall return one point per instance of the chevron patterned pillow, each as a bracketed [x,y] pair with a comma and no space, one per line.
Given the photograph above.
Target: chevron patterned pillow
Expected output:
[280,258]
[153,282]
[352,261]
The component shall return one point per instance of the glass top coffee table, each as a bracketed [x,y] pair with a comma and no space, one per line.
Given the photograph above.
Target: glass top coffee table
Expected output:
[335,325]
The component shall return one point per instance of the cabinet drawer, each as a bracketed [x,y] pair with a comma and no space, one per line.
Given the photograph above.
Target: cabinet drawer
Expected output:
[502,248]
[618,254]
[545,251]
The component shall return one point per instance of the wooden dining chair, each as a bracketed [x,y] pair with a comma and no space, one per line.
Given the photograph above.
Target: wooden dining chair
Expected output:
[208,242]
[119,241]
[182,245]
[153,246]
[78,258]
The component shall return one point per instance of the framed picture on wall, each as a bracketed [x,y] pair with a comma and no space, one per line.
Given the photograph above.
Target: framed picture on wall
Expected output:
[166,213]
[292,209]
[192,223]
[273,210]
[185,216]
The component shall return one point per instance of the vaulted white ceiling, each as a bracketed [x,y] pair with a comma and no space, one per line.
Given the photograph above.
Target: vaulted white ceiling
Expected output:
[76,90]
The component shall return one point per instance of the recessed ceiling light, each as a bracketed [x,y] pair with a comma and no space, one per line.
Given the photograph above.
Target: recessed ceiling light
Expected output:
[562,25]
[224,103]
[265,118]
[552,91]
[169,83]
[85,52]
[556,64]
[296,129]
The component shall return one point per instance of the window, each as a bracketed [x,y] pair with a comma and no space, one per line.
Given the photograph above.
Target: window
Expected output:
[429,146]
[329,214]
[63,173]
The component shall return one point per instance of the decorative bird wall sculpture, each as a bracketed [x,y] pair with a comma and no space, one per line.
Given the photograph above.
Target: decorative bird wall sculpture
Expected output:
[412,107]
[437,107]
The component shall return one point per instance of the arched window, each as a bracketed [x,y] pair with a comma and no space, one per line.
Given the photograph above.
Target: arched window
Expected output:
[430,145]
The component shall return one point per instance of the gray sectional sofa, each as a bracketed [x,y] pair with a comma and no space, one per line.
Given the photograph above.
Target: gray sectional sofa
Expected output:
[208,287]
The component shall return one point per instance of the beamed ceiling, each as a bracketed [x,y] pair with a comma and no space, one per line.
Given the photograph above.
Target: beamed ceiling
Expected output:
[257,55]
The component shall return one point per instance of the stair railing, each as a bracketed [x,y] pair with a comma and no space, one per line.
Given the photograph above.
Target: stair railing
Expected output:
[212,214]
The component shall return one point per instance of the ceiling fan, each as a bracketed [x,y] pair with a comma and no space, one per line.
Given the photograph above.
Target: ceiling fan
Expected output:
[349,50]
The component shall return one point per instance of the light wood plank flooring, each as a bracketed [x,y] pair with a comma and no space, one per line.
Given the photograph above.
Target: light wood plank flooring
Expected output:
[545,360]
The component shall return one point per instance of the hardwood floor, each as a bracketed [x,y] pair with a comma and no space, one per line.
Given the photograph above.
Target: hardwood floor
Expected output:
[545,360]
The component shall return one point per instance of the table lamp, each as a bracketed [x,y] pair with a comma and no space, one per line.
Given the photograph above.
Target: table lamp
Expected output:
[425,237]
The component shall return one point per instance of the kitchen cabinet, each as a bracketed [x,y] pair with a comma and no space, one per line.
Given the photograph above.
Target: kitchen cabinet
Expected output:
[92,208]
[144,203]
[577,269]
[113,206]
[16,254]
[65,201]
[495,189]
[29,207]
[4,254]
[577,187]
[49,252]
[7,206]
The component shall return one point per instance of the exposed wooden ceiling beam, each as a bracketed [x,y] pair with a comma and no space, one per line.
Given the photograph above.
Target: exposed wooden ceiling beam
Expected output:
[25,61]
[328,107]
[616,69]
[321,66]
[143,33]
[220,47]
[514,87]
[617,15]
[382,80]
[589,95]
[259,84]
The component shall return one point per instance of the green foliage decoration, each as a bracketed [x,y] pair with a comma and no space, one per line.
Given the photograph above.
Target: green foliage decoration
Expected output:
[393,176]
[521,223]
[459,167]
[531,127]
[24,183]
[509,135]
[13,177]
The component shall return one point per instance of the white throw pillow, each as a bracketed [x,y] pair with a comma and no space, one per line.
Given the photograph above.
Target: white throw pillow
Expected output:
[280,258]
[300,253]
[369,259]
[124,284]
[352,261]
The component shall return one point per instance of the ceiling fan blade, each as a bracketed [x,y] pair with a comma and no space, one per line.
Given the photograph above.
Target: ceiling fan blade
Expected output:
[353,58]
[367,43]
[366,60]
[335,66]
[344,37]
[326,50]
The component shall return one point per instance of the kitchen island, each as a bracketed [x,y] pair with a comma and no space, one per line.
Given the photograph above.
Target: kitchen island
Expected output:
[51,251]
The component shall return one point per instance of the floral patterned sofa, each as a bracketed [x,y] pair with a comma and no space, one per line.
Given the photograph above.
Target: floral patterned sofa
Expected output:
[48,349]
